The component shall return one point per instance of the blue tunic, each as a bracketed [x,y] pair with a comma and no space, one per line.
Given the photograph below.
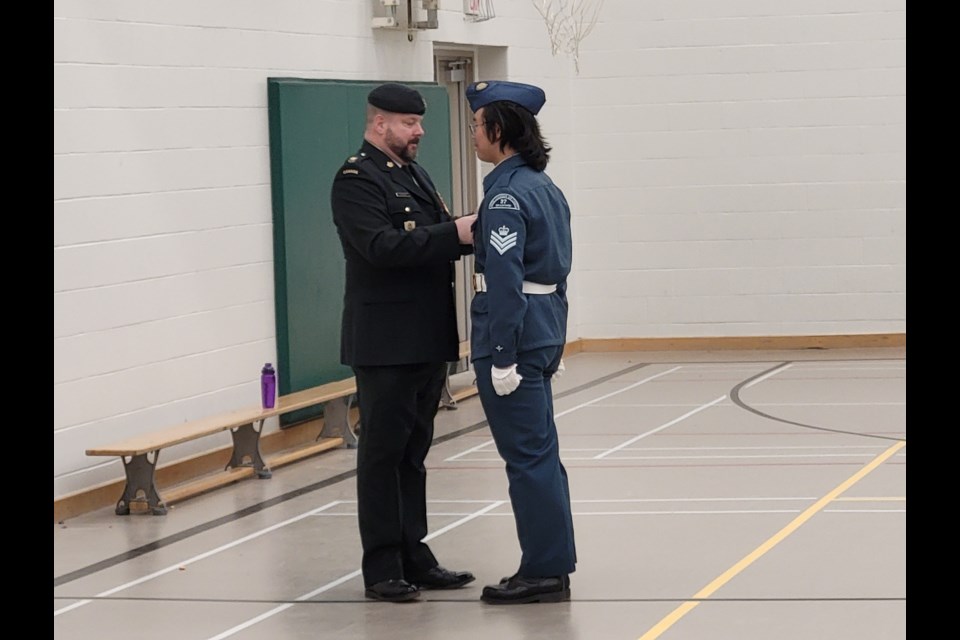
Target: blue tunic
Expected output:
[522,233]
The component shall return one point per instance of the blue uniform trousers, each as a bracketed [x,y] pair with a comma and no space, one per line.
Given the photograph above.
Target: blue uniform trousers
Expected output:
[526,437]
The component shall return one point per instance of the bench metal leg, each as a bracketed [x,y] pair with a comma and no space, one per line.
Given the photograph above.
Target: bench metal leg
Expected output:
[446,397]
[336,421]
[141,484]
[246,450]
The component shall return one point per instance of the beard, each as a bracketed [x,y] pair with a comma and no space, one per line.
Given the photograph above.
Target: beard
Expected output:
[406,151]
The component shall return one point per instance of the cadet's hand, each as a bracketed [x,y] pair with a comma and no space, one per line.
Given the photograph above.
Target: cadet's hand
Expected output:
[560,369]
[465,228]
[505,381]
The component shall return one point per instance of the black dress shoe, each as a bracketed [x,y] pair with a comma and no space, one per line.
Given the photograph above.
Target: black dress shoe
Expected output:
[392,591]
[440,578]
[520,590]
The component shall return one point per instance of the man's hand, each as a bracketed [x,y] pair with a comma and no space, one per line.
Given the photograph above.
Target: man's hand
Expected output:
[505,381]
[465,228]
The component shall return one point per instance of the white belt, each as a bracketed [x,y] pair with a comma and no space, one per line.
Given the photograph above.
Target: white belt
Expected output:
[533,288]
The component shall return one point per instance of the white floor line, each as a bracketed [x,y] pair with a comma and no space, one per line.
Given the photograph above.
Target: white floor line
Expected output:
[740,499]
[861,447]
[661,512]
[80,472]
[272,612]
[815,447]
[722,512]
[470,450]
[747,457]
[864,510]
[572,458]
[769,374]
[673,405]
[342,579]
[630,500]
[579,406]
[607,513]
[629,442]
[177,566]
[828,404]
[691,512]
[809,366]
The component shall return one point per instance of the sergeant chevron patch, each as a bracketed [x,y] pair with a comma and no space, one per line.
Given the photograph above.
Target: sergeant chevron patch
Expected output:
[502,239]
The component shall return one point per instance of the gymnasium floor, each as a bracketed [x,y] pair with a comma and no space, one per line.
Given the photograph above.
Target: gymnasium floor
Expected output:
[726,495]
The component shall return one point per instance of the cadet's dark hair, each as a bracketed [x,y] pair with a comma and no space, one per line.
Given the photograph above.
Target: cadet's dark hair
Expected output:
[519,129]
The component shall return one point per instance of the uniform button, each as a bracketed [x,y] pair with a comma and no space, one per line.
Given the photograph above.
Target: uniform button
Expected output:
[406,209]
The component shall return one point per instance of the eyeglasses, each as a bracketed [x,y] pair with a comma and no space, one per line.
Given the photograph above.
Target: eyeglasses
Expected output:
[473,127]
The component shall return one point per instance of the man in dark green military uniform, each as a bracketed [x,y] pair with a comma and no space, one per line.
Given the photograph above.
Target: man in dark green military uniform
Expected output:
[399,332]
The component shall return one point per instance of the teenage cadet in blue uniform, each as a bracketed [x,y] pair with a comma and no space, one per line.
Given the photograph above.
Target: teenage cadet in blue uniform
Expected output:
[522,251]
[399,331]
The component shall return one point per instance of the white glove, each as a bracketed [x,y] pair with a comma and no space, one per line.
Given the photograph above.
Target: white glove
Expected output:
[560,369]
[505,381]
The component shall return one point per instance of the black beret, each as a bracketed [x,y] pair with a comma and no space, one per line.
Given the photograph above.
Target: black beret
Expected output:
[397,98]
[480,94]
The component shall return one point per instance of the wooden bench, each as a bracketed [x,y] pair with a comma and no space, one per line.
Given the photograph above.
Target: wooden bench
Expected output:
[140,453]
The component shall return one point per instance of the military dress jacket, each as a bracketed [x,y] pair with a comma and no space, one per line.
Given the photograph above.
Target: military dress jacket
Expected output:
[522,234]
[399,243]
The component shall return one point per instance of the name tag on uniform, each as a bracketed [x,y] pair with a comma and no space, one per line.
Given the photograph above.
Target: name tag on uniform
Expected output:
[409,225]
[403,194]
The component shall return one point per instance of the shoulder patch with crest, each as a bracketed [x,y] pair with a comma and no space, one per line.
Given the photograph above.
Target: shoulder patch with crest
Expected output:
[503,201]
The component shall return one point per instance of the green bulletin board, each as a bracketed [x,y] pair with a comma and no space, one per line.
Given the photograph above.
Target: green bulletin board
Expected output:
[314,126]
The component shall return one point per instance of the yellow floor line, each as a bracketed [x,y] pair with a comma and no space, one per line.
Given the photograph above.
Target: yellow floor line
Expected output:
[727,575]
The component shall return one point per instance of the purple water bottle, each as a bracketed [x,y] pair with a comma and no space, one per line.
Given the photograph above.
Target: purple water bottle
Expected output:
[268,386]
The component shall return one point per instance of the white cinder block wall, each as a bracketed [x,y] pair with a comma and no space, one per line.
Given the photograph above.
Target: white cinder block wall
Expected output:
[735,168]
[741,169]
